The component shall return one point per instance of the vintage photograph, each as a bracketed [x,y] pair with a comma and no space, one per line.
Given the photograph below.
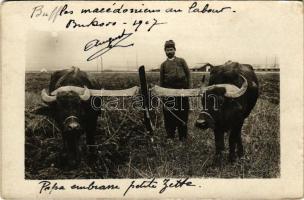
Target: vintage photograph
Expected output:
[152,99]
[190,104]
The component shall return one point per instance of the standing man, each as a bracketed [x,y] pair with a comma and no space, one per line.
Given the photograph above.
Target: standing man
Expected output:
[174,73]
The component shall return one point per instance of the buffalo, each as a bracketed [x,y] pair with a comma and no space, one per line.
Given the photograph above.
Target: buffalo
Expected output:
[227,100]
[226,112]
[71,109]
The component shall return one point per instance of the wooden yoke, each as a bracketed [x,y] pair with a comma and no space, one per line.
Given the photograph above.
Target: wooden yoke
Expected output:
[133,91]
[169,92]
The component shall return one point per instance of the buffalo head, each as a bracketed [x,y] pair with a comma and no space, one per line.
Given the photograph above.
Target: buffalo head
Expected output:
[68,107]
[219,105]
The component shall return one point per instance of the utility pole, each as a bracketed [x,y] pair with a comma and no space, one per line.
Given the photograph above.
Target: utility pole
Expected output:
[97,64]
[136,59]
[266,65]
[101,63]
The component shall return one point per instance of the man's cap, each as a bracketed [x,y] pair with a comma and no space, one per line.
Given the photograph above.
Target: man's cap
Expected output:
[169,44]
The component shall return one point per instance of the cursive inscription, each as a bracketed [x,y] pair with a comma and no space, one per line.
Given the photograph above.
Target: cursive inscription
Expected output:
[107,45]
[166,184]
[179,183]
[51,15]
[194,9]
[94,22]
[47,186]
[144,184]
[93,186]
[152,183]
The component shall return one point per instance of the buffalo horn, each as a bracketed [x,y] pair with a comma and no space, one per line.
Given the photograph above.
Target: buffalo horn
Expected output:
[47,98]
[232,91]
[86,94]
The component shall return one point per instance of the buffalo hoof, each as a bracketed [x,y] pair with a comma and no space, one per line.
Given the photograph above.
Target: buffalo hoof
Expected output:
[232,158]
[169,141]
[183,139]
[240,153]
[218,160]
[92,154]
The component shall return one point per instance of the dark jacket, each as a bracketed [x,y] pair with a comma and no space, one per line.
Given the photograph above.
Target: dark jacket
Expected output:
[175,74]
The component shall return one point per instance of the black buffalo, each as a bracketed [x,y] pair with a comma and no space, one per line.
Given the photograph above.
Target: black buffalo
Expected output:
[71,109]
[225,106]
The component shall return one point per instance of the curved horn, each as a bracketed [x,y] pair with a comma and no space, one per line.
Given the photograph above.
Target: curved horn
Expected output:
[47,98]
[86,94]
[234,92]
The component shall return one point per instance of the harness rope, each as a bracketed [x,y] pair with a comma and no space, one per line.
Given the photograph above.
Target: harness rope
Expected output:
[166,107]
[174,115]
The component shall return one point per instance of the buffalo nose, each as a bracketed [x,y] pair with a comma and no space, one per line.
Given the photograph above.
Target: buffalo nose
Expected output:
[200,123]
[73,126]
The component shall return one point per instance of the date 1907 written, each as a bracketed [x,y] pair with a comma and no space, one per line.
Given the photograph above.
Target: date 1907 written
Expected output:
[72,23]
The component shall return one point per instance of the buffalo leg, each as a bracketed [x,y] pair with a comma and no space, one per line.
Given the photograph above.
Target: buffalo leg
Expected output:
[240,150]
[90,139]
[219,146]
[232,145]
[91,130]
[235,140]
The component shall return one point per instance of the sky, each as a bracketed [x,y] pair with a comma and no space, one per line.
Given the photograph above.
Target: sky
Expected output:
[199,39]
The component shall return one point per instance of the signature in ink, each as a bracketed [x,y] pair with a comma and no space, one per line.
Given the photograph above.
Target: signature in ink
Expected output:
[107,45]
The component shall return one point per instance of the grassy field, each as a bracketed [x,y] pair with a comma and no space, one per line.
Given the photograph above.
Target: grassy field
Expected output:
[127,151]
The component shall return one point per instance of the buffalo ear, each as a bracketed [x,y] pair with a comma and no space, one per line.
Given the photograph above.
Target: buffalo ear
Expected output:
[43,109]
